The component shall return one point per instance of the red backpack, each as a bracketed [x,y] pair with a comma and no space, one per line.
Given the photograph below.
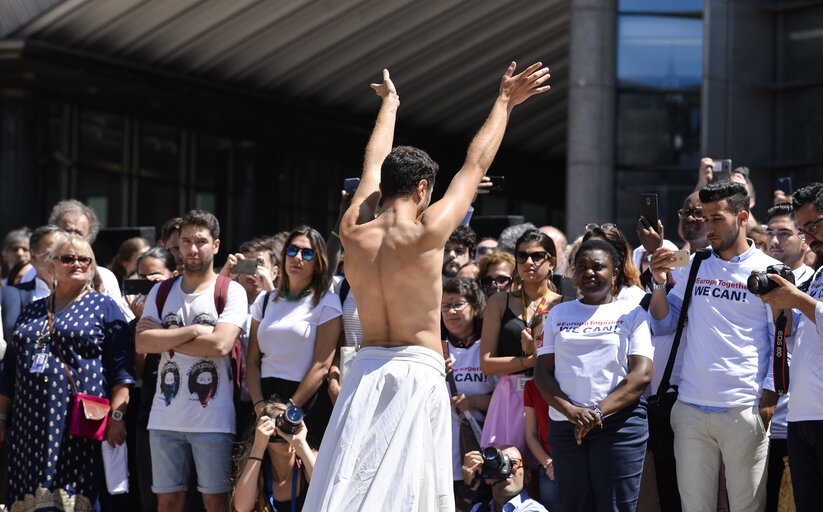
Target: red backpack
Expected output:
[221,292]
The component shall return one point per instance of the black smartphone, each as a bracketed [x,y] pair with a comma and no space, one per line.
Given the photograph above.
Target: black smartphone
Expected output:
[350,185]
[248,266]
[498,183]
[722,170]
[648,208]
[138,286]
[785,184]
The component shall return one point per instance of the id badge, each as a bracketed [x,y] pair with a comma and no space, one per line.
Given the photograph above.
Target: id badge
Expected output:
[521,383]
[38,363]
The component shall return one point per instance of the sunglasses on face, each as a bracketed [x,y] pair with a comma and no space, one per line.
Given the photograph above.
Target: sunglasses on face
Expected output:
[70,259]
[489,281]
[697,213]
[605,227]
[537,257]
[292,250]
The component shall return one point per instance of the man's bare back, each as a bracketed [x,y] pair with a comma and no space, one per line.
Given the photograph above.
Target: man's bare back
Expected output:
[394,260]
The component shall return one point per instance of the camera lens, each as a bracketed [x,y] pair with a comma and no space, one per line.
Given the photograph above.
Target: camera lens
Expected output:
[491,457]
[289,420]
[759,284]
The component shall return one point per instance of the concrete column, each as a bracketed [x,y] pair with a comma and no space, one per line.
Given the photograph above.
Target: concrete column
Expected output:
[591,118]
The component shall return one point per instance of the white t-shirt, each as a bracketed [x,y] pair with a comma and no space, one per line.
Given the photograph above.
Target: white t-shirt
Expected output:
[469,380]
[729,332]
[194,394]
[806,382]
[633,294]
[591,347]
[287,333]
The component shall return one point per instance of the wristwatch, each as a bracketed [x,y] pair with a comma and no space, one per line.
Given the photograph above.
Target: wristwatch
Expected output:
[117,415]
[656,286]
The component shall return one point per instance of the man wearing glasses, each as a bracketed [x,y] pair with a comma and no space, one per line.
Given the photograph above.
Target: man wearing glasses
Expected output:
[388,440]
[507,495]
[805,418]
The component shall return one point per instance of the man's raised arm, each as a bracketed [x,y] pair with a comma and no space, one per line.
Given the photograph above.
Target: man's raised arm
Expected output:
[365,200]
[447,213]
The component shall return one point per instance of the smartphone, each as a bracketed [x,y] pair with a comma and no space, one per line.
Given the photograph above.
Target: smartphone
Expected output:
[138,286]
[722,170]
[350,185]
[498,183]
[785,184]
[681,258]
[248,266]
[648,208]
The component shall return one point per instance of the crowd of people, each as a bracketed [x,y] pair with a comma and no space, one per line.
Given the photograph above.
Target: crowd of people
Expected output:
[214,389]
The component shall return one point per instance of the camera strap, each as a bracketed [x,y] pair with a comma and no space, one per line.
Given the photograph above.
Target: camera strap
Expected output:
[665,384]
[781,361]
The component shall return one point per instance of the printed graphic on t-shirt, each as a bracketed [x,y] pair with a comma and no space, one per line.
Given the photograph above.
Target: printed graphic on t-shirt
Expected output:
[469,374]
[172,320]
[720,289]
[816,288]
[205,319]
[203,381]
[589,326]
[169,381]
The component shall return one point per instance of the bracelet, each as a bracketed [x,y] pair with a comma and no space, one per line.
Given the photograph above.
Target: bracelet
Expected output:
[335,233]
[255,458]
[599,413]
[291,402]
[257,402]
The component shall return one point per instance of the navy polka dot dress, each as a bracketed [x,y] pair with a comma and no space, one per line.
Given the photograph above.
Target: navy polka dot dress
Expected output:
[48,468]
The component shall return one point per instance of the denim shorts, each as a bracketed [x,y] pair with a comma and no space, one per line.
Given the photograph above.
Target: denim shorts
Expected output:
[172,453]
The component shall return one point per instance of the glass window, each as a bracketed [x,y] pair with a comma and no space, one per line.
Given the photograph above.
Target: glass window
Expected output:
[802,35]
[100,165]
[800,125]
[658,129]
[158,174]
[660,5]
[659,52]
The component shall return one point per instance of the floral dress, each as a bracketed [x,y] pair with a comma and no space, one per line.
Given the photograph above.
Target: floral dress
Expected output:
[50,470]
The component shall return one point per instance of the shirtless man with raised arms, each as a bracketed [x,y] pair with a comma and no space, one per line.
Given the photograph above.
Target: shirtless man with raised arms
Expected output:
[388,444]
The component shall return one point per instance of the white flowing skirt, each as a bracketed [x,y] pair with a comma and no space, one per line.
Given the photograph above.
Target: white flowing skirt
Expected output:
[388,443]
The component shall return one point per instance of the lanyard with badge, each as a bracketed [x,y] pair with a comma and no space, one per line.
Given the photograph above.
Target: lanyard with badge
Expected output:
[521,382]
[270,486]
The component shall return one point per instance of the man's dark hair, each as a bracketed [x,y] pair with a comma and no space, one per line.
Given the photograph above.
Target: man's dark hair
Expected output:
[600,245]
[735,194]
[169,228]
[203,219]
[780,210]
[39,233]
[471,291]
[466,236]
[403,169]
[259,245]
[809,194]
[159,253]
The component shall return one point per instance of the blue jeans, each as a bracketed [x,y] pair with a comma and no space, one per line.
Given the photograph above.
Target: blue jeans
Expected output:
[549,496]
[805,446]
[602,474]
[171,454]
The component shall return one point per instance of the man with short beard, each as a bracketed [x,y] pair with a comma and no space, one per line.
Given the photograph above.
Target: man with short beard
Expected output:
[459,250]
[725,400]
[192,415]
[691,227]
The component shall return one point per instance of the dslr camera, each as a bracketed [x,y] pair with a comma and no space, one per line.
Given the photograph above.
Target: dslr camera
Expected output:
[760,284]
[287,421]
[496,464]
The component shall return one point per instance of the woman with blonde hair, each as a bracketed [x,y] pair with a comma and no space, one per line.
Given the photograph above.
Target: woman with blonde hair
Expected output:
[74,341]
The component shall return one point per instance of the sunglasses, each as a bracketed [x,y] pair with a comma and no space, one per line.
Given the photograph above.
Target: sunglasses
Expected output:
[537,257]
[697,213]
[605,227]
[484,250]
[69,259]
[457,306]
[489,281]
[292,250]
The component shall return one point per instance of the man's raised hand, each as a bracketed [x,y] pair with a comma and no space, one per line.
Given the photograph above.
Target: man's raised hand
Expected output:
[387,88]
[516,89]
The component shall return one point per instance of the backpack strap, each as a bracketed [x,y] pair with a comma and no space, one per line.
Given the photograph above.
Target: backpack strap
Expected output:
[265,304]
[221,297]
[221,293]
[345,288]
[162,294]
[699,256]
